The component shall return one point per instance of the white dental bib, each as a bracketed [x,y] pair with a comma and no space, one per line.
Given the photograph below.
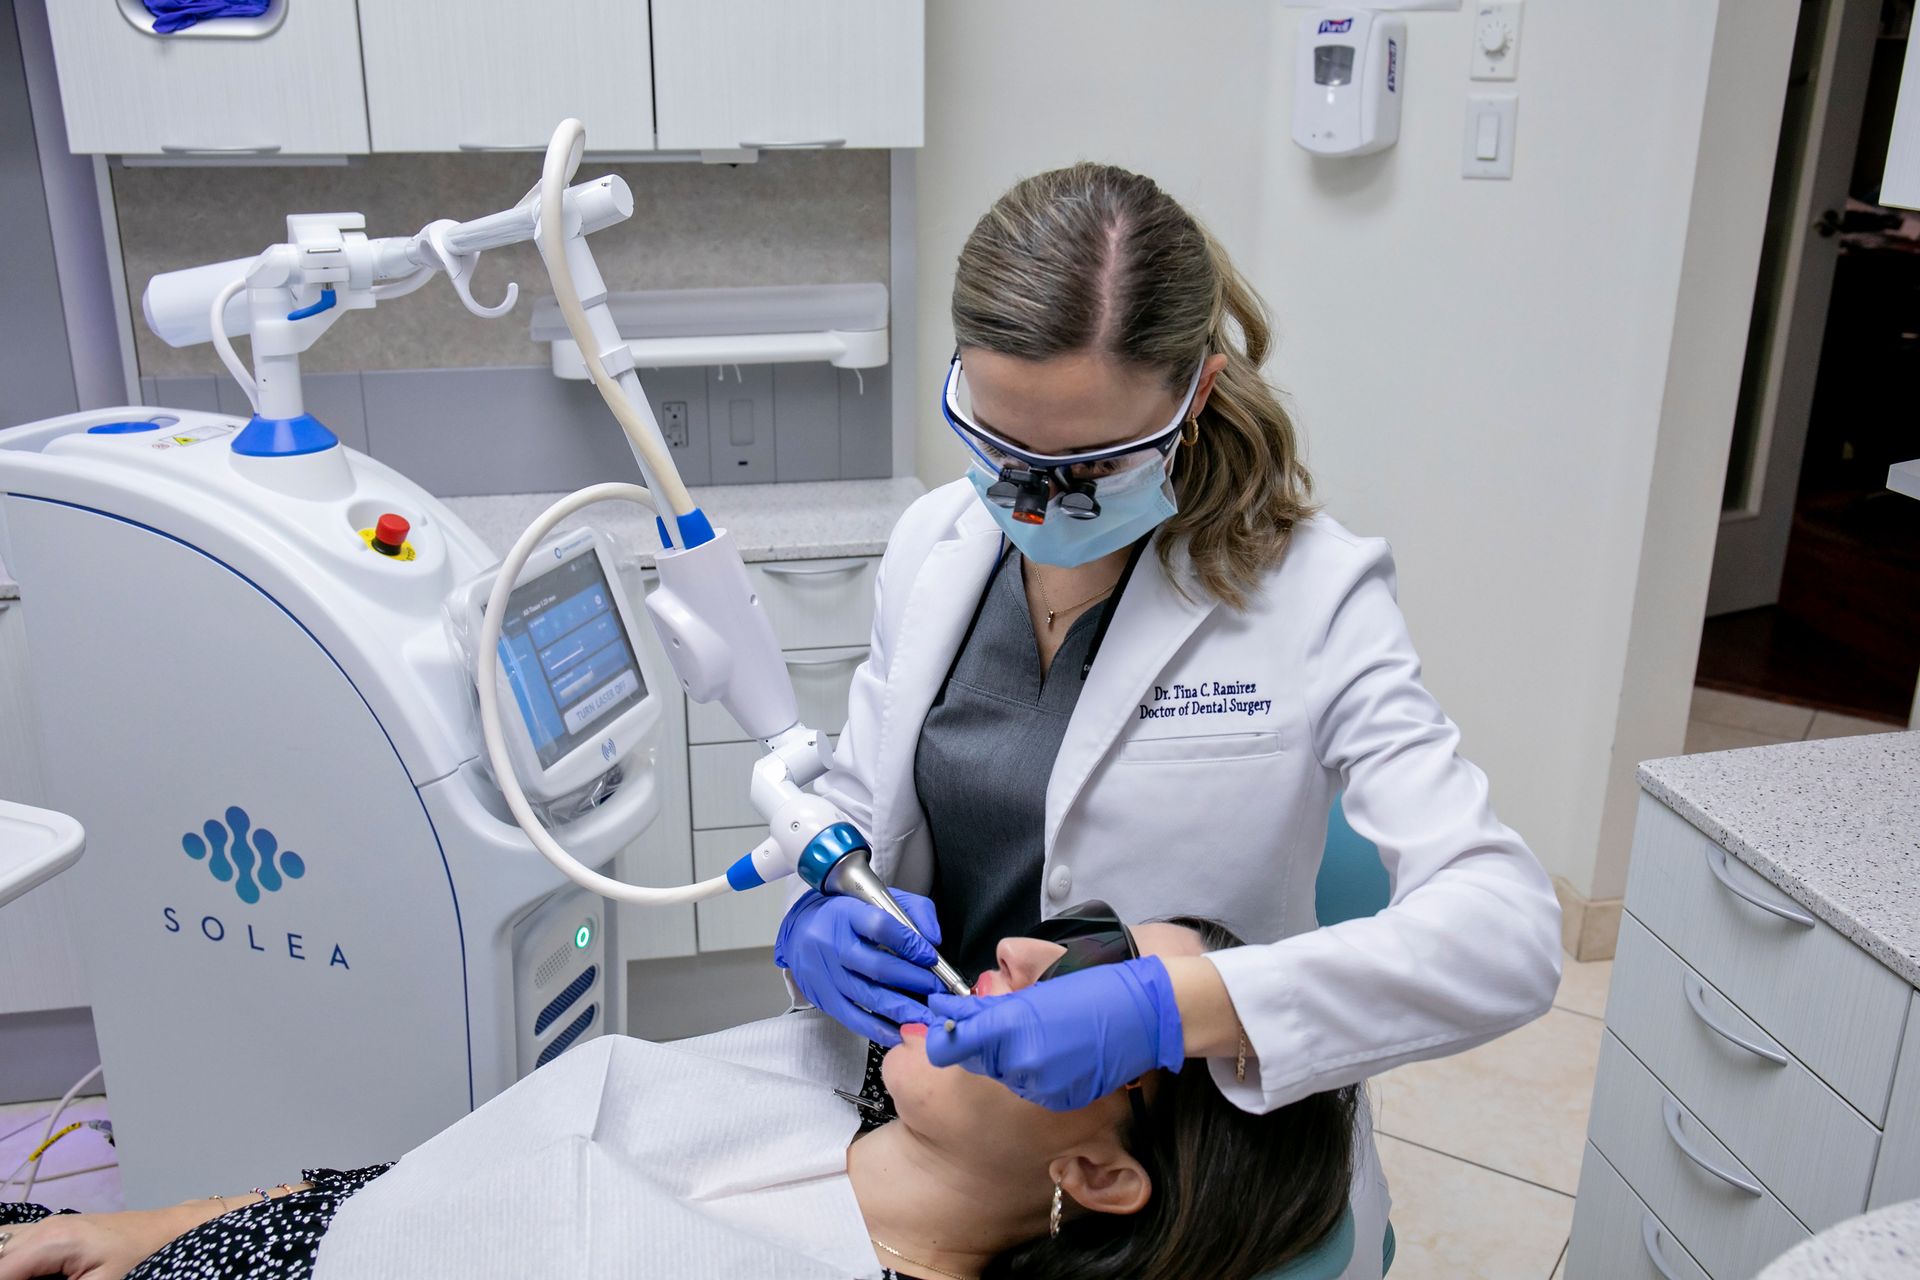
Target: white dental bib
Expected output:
[722,1156]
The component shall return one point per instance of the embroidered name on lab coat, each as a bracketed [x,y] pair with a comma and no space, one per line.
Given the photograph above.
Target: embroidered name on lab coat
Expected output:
[1207,698]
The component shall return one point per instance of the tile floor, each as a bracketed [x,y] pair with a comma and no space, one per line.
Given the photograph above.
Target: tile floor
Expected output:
[1482,1150]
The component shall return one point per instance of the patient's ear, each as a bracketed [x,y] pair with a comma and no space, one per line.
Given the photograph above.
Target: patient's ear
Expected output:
[1104,1180]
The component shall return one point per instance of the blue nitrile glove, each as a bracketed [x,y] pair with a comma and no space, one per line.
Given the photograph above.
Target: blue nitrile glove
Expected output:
[1067,1041]
[845,954]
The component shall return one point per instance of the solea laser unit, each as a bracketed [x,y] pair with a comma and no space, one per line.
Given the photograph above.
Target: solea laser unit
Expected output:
[352,785]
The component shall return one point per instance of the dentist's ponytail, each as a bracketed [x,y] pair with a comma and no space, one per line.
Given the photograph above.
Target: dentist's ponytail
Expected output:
[1096,258]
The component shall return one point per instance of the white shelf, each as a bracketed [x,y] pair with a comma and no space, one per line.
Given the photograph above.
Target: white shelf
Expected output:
[842,324]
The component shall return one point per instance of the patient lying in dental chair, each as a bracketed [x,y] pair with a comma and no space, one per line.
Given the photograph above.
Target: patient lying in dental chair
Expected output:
[737,1154]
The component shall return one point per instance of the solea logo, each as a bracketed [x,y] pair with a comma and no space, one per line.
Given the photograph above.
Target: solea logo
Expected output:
[251,866]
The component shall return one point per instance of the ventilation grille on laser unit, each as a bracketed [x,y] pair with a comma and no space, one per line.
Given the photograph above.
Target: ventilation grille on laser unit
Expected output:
[564,1041]
[564,1001]
[551,965]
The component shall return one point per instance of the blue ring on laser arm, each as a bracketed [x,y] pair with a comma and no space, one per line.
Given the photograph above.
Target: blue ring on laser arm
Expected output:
[825,850]
[743,875]
[694,528]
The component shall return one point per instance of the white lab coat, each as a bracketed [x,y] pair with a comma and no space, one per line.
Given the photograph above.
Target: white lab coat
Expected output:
[1196,776]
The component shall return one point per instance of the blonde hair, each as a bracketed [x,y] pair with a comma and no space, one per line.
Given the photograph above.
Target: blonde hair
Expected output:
[1096,258]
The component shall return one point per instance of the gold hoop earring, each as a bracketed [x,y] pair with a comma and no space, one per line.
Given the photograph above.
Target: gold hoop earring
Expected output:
[1053,1218]
[1191,434]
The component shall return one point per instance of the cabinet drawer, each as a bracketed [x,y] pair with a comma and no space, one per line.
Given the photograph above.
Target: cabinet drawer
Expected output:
[1833,1006]
[294,91]
[817,604]
[1897,1177]
[736,920]
[722,781]
[1729,1231]
[1813,1150]
[1615,1235]
[589,61]
[820,681]
[722,774]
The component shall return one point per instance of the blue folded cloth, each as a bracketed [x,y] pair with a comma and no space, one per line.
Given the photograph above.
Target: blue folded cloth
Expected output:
[170,16]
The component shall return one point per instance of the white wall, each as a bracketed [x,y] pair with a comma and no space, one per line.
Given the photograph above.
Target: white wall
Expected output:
[1481,369]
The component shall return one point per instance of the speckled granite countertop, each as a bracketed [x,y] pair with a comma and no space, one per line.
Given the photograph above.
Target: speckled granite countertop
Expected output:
[806,520]
[1834,823]
[1881,1245]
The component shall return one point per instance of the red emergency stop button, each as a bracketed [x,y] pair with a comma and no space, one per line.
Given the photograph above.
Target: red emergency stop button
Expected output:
[390,534]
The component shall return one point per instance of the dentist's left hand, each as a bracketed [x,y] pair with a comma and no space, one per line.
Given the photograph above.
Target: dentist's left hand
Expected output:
[848,957]
[1065,1042]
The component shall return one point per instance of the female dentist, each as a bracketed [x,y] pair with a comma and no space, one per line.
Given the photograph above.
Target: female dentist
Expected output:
[1125,659]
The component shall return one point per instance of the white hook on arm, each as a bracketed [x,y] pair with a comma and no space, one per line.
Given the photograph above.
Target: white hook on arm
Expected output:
[459,268]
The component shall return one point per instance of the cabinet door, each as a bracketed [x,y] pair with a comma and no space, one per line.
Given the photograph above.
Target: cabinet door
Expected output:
[447,75]
[790,71]
[295,91]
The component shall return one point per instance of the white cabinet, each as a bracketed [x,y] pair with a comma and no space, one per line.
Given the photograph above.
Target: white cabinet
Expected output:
[809,72]
[293,91]
[444,75]
[1753,1086]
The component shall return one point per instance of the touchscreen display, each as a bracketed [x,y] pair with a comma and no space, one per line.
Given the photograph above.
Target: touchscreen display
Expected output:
[567,656]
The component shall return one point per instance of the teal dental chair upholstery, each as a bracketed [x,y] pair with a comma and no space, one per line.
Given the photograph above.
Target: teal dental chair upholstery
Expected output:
[1353,883]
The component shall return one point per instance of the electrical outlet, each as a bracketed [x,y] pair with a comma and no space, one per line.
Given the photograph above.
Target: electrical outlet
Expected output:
[674,423]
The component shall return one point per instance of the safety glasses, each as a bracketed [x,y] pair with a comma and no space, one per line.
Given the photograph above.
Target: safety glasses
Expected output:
[1093,936]
[1027,479]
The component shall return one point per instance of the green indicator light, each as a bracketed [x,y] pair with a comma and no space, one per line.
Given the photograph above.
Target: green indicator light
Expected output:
[583,936]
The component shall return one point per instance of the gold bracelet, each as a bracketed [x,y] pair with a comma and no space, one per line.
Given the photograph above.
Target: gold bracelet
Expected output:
[1240,1059]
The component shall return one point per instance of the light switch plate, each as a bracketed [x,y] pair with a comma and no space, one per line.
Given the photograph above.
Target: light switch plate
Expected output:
[1496,41]
[1503,109]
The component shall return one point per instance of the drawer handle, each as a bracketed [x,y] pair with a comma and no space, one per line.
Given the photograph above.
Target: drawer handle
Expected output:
[842,660]
[1650,1238]
[1670,1112]
[825,144]
[171,149]
[1717,863]
[817,571]
[1696,990]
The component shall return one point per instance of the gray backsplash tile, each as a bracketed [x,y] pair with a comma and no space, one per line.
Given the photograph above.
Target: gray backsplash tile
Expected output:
[740,418]
[493,430]
[866,423]
[804,217]
[806,407]
[522,430]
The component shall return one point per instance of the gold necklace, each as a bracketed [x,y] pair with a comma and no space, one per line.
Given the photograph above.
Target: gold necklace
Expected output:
[1052,612]
[915,1261]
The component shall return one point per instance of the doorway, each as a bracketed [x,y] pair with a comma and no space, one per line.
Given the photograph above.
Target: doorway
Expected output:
[1815,595]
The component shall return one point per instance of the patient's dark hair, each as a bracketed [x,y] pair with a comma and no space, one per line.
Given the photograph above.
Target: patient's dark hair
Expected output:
[1235,1195]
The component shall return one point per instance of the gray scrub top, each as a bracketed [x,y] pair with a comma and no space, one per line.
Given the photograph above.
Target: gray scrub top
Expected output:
[981,768]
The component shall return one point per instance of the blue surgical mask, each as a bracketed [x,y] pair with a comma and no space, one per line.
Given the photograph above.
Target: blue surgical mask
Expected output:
[1133,503]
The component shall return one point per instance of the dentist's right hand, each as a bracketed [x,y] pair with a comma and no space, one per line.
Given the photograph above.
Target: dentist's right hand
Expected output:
[853,960]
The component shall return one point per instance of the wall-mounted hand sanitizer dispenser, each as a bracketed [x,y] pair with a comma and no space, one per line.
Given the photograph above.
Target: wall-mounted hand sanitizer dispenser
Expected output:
[1348,68]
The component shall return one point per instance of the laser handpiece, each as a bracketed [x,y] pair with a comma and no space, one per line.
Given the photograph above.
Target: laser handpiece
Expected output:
[853,875]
